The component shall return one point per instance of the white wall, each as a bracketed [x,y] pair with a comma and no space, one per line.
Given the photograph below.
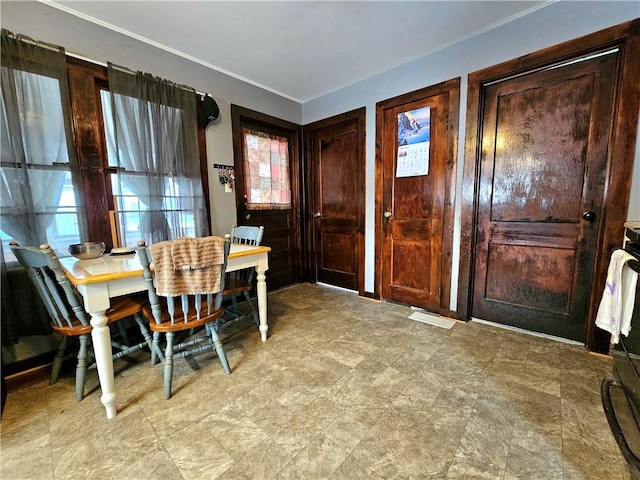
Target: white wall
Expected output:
[548,26]
[220,151]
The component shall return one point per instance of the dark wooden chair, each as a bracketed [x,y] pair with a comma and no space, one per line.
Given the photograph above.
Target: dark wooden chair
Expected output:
[185,288]
[68,317]
[240,282]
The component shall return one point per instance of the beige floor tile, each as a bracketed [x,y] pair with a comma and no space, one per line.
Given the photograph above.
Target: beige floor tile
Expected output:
[344,388]
[318,460]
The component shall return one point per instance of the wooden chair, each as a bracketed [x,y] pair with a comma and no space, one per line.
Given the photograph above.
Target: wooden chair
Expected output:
[241,281]
[185,294]
[69,319]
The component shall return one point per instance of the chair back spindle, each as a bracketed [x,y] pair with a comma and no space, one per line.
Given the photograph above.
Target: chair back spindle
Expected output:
[61,300]
[247,235]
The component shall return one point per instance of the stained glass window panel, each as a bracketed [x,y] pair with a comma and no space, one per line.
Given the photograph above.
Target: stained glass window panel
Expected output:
[266,166]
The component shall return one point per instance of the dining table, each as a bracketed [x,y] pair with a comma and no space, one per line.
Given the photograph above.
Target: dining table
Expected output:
[100,279]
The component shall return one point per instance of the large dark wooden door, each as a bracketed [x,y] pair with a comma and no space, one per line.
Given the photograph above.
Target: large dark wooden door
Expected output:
[336,154]
[413,214]
[544,152]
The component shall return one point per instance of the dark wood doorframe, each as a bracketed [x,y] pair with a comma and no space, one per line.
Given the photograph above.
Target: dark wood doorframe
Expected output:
[453,88]
[626,37]
[357,116]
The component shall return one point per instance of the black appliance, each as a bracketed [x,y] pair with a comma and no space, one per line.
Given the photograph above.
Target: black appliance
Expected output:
[621,391]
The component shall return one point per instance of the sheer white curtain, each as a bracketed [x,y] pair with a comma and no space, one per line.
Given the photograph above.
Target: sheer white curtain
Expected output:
[31,192]
[152,140]
[40,199]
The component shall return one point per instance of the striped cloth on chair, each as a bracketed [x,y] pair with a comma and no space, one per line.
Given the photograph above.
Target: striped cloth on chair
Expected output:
[188,266]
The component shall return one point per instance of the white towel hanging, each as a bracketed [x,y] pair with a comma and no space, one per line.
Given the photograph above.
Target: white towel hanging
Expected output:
[616,306]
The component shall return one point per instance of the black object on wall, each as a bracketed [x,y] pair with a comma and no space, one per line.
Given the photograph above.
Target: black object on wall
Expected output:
[211,111]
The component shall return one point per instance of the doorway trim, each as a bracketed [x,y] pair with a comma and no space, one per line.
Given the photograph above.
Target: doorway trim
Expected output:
[451,86]
[620,160]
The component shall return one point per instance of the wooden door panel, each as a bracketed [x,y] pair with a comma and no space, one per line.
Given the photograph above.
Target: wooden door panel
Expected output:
[415,270]
[277,235]
[336,172]
[336,151]
[338,267]
[542,166]
[411,277]
[537,278]
[412,196]
[536,127]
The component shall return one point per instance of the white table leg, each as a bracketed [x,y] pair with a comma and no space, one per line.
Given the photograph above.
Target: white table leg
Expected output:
[261,286]
[101,338]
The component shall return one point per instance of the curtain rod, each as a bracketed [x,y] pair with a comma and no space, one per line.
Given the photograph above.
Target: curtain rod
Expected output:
[51,46]
[37,43]
[104,64]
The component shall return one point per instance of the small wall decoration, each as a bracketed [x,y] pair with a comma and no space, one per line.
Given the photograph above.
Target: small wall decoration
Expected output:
[414,136]
[227,176]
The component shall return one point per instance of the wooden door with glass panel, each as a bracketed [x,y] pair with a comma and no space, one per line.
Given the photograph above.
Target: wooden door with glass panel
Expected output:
[266,158]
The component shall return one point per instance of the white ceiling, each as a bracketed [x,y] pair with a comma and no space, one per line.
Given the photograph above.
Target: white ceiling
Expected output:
[300,49]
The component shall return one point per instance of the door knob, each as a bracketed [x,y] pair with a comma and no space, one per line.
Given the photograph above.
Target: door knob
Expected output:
[387,214]
[317,215]
[247,216]
[589,216]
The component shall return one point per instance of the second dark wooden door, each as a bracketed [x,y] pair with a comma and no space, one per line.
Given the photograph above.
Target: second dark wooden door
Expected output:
[336,152]
[544,153]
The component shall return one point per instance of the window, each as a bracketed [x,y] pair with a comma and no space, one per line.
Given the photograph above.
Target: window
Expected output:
[39,201]
[153,200]
[266,171]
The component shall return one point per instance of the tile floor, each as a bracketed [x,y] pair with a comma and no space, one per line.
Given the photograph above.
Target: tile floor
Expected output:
[345,388]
